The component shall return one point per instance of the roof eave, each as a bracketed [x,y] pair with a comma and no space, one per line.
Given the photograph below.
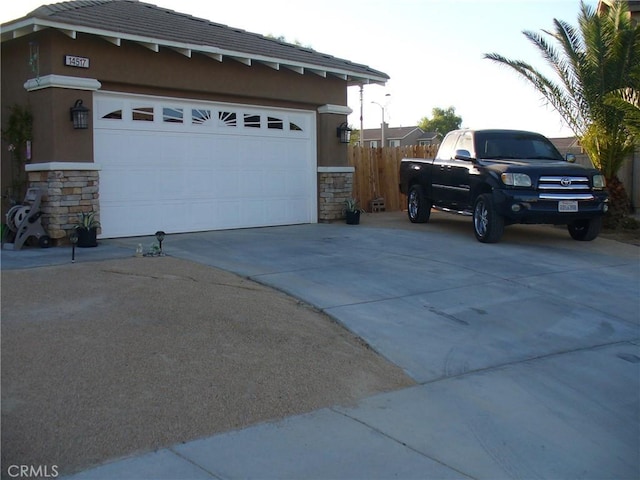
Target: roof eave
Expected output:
[22,27]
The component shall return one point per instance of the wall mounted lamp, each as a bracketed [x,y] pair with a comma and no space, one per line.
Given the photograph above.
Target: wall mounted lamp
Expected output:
[79,115]
[344,133]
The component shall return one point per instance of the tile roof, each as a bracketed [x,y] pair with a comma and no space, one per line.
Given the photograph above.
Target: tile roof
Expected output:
[143,22]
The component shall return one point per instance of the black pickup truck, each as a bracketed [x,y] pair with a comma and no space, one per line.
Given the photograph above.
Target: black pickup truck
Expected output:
[502,177]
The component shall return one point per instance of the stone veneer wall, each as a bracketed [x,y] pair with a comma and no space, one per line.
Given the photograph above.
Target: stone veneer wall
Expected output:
[68,189]
[335,185]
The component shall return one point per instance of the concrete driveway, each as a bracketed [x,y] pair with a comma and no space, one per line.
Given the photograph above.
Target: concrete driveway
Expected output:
[526,353]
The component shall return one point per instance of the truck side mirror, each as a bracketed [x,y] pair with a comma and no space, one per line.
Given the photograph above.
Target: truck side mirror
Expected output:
[571,158]
[463,155]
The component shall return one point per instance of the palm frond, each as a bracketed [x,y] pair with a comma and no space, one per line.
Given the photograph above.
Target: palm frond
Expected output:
[600,56]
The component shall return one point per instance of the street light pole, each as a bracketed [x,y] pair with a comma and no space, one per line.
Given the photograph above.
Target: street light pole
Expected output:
[382,124]
[361,116]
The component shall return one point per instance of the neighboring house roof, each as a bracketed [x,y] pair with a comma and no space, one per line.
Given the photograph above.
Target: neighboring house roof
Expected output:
[565,143]
[390,133]
[431,136]
[156,27]
[395,133]
[633,5]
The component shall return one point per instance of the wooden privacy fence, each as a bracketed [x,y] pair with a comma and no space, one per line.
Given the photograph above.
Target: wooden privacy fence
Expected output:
[376,173]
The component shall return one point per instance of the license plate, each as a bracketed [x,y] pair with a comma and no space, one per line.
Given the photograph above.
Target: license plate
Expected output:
[567,206]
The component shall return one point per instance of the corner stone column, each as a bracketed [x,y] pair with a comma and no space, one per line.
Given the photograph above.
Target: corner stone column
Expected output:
[335,185]
[68,189]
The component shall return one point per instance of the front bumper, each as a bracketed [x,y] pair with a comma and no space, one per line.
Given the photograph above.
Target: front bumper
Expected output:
[530,206]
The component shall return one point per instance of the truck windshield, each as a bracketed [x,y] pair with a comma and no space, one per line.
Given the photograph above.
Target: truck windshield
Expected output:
[514,145]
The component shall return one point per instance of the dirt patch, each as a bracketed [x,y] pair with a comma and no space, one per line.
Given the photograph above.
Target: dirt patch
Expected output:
[106,359]
[632,237]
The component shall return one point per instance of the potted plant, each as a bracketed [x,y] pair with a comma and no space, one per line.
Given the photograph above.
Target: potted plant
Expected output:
[352,211]
[87,229]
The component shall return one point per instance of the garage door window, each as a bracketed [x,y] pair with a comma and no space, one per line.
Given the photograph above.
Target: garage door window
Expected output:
[115,115]
[252,121]
[227,119]
[276,123]
[200,116]
[142,114]
[172,115]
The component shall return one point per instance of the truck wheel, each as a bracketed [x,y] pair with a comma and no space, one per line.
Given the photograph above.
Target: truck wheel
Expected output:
[488,225]
[418,206]
[585,230]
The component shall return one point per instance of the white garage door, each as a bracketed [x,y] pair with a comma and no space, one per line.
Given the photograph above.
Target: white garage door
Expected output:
[183,166]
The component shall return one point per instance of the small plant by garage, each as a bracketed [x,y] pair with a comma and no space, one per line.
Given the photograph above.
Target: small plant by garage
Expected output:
[87,229]
[352,211]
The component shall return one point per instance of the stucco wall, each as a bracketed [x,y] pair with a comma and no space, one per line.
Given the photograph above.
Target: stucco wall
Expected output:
[133,68]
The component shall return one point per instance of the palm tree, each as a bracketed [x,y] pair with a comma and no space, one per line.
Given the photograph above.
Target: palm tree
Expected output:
[601,56]
[627,100]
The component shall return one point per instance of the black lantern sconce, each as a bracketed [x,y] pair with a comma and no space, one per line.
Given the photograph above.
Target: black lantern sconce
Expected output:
[344,133]
[79,116]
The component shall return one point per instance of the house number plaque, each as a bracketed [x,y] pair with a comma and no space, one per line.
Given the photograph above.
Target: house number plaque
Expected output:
[75,61]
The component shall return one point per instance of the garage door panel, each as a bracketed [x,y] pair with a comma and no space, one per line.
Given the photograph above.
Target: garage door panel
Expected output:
[174,217]
[283,210]
[226,183]
[172,151]
[216,175]
[224,152]
[252,185]
[273,185]
[295,183]
[253,209]
[201,183]
[129,220]
[200,151]
[175,183]
[229,214]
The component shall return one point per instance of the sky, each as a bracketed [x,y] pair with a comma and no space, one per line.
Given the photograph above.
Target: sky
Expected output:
[432,51]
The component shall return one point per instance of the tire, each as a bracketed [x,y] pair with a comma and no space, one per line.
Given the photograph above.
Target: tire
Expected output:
[418,206]
[585,230]
[44,241]
[488,225]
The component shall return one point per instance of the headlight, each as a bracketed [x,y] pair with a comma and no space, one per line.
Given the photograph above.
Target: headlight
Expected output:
[599,181]
[516,179]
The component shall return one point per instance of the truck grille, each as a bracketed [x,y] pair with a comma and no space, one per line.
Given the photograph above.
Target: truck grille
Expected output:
[564,184]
